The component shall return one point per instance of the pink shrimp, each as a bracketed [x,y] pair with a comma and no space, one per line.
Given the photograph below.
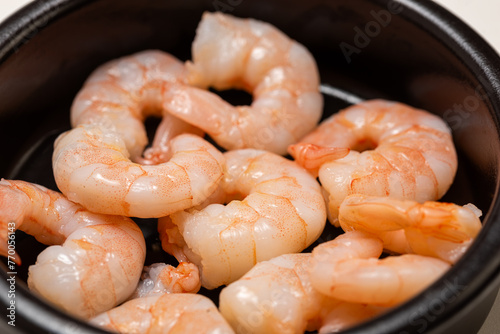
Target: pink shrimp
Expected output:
[98,163]
[282,75]
[276,296]
[100,257]
[396,151]
[443,230]
[274,207]
[347,268]
[167,313]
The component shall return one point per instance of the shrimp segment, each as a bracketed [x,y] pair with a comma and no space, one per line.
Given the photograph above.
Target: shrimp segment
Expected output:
[167,313]
[276,296]
[230,52]
[91,167]
[347,268]
[396,151]
[274,207]
[99,260]
[443,230]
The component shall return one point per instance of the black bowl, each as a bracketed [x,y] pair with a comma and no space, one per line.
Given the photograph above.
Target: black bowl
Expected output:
[411,51]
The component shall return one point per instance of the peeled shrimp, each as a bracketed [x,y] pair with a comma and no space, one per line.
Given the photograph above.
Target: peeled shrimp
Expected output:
[396,151]
[93,163]
[120,94]
[91,167]
[161,278]
[347,268]
[276,296]
[274,207]
[99,260]
[281,74]
[167,313]
[442,230]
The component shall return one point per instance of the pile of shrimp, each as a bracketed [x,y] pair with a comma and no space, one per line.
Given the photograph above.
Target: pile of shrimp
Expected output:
[232,208]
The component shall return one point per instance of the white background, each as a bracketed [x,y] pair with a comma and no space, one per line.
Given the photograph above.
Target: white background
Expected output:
[482,15]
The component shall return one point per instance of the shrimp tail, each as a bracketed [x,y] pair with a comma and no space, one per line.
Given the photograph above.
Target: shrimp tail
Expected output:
[311,156]
[172,240]
[162,278]
[169,127]
[184,278]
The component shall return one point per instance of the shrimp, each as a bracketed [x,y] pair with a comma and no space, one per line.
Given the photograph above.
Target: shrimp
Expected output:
[276,296]
[396,151]
[281,74]
[160,278]
[167,313]
[98,163]
[91,167]
[122,93]
[95,261]
[347,268]
[443,230]
[274,207]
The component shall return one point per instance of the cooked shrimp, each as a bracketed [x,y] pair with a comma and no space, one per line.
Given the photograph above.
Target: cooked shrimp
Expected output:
[274,207]
[167,313]
[161,278]
[396,151]
[281,74]
[93,163]
[347,268]
[276,296]
[91,167]
[443,230]
[122,93]
[99,260]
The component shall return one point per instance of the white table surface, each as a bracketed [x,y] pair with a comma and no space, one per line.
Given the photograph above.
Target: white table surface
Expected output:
[482,15]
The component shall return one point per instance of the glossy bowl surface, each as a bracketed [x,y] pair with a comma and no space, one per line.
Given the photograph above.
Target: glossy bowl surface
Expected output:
[411,51]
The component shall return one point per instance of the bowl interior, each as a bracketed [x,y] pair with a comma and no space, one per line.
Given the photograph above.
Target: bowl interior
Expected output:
[364,49]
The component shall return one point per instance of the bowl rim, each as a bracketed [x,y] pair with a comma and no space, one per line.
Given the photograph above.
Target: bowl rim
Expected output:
[467,45]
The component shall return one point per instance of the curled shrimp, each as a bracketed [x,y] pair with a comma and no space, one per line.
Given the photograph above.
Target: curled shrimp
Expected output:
[98,163]
[443,230]
[396,151]
[161,278]
[276,296]
[122,93]
[91,167]
[274,207]
[347,268]
[167,313]
[95,261]
[281,74]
